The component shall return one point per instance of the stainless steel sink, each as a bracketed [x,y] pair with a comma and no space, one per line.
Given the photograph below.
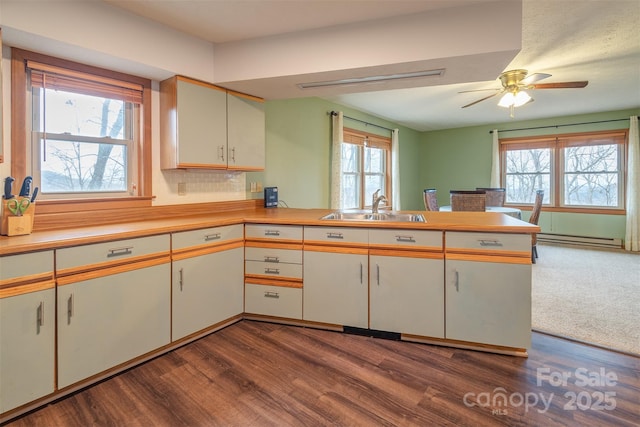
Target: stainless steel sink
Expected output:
[379,216]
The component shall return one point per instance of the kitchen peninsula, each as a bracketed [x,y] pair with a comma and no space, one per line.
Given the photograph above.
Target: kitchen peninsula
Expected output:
[79,305]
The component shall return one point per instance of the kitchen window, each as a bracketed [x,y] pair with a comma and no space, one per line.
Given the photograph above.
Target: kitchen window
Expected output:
[85,127]
[365,168]
[583,172]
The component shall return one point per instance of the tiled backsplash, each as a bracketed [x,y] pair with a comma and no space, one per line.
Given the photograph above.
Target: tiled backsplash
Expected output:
[202,186]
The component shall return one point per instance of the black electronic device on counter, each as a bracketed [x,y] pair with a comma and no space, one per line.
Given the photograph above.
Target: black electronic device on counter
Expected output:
[270,197]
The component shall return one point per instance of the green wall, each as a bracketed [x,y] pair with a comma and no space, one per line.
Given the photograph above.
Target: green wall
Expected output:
[298,152]
[461,159]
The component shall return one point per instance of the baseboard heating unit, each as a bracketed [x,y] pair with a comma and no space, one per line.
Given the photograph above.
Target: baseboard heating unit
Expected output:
[603,242]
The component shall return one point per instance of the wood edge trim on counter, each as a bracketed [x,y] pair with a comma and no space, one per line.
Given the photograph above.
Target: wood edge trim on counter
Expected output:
[514,259]
[269,244]
[406,253]
[122,268]
[489,348]
[265,240]
[21,289]
[328,247]
[289,282]
[194,251]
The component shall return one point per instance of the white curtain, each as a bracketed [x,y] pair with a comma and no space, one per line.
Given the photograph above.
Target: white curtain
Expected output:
[337,120]
[495,160]
[395,170]
[632,238]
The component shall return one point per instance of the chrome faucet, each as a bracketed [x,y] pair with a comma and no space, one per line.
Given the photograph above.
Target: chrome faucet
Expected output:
[376,201]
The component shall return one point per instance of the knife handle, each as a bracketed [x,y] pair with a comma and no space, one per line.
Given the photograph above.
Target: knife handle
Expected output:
[8,182]
[25,190]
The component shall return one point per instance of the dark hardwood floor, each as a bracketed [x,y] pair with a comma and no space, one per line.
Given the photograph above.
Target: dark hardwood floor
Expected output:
[262,374]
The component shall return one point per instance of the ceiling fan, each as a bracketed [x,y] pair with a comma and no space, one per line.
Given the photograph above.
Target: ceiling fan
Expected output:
[514,83]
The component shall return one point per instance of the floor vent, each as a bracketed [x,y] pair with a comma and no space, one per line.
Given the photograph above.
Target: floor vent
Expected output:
[603,242]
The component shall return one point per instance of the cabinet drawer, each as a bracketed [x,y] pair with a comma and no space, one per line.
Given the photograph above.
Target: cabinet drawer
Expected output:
[111,251]
[271,255]
[273,232]
[273,301]
[489,242]
[408,238]
[273,269]
[336,235]
[35,263]
[206,236]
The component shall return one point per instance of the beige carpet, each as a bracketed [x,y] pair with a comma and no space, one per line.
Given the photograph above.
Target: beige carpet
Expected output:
[590,295]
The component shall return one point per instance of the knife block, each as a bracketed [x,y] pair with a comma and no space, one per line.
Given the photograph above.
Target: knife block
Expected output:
[14,225]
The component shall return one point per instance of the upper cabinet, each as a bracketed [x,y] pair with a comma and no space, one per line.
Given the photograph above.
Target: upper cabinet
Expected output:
[207,127]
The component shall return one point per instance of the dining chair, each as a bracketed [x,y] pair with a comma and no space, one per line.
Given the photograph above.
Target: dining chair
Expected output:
[430,200]
[462,200]
[533,219]
[495,196]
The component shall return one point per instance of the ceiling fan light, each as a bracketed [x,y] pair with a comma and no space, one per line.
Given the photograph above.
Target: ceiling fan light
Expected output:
[507,100]
[521,98]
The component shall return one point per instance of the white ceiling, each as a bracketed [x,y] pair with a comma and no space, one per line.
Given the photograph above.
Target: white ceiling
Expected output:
[594,40]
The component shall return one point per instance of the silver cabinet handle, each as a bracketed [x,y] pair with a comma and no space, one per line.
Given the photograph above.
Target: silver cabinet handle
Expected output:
[233,154]
[214,236]
[181,281]
[378,273]
[333,235]
[408,239]
[269,294]
[127,250]
[487,242]
[40,315]
[222,153]
[69,309]
[272,232]
[360,272]
[457,283]
[271,271]
[268,258]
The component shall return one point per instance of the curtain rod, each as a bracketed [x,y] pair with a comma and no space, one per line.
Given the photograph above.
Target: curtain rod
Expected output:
[335,113]
[557,126]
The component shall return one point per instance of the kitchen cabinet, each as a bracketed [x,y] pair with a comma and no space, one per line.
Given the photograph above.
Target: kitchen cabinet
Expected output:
[273,270]
[488,288]
[207,278]
[407,282]
[113,314]
[336,276]
[204,126]
[27,328]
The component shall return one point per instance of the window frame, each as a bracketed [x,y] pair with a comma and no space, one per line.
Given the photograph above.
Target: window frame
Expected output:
[556,144]
[21,138]
[362,139]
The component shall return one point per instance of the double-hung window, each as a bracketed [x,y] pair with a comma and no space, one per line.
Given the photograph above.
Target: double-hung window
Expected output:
[86,130]
[577,171]
[365,168]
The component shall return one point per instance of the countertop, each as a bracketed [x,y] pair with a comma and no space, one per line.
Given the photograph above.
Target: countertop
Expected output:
[445,221]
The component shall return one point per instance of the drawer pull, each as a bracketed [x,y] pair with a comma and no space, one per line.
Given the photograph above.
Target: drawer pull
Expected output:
[127,250]
[272,232]
[40,315]
[331,235]
[215,236]
[271,271]
[269,294]
[271,259]
[495,243]
[408,239]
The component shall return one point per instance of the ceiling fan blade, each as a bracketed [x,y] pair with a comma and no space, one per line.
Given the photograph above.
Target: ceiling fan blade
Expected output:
[535,77]
[561,85]
[477,90]
[481,99]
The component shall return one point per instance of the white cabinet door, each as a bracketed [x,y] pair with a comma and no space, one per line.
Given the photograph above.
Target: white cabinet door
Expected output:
[109,320]
[336,288]
[246,137]
[206,289]
[27,347]
[201,123]
[407,295]
[488,302]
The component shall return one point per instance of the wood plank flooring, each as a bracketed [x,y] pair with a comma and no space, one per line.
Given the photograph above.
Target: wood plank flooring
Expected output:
[262,374]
